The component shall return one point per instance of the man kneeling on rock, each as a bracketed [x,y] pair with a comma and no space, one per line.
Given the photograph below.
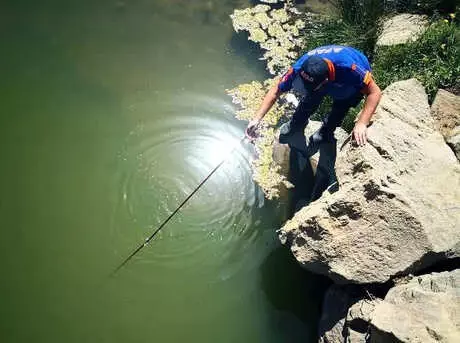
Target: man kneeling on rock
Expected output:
[341,72]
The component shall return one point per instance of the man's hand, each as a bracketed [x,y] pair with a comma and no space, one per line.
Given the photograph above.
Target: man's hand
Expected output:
[360,133]
[373,95]
[251,129]
[267,104]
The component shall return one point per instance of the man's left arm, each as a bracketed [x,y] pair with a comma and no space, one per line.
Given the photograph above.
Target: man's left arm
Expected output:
[373,95]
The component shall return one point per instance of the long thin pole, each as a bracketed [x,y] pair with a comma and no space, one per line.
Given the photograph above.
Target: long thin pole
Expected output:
[141,246]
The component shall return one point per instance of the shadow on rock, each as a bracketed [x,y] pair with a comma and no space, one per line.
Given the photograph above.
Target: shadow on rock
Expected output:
[310,177]
[302,177]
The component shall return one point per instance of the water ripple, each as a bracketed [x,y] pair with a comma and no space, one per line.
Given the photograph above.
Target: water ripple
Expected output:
[162,162]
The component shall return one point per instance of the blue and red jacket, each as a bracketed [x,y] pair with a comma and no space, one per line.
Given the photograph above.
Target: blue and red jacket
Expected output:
[349,72]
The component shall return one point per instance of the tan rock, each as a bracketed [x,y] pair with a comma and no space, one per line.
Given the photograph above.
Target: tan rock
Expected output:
[421,309]
[345,315]
[427,309]
[446,113]
[401,29]
[395,212]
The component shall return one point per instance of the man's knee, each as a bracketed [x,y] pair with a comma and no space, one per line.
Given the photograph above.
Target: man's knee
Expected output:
[325,134]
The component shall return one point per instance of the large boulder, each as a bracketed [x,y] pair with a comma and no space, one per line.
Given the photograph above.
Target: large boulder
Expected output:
[426,309]
[402,28]
[419,309]
[446,113]
[396,211]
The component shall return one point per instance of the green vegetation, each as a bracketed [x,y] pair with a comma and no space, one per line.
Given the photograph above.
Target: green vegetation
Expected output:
[285,34]
[421,6]
[434,59]
[354,23]
[333,30]
[267,173]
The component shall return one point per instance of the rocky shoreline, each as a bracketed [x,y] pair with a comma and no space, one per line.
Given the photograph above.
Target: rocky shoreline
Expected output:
[396,213]
[389,237]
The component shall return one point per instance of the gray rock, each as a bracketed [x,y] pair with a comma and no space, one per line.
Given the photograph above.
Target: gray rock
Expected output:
[281,157]
[395,210]
[299,141]
[454,142]
[421,309]
[426,309]
[401,29]
[446,113]
[360,313]
[356,337]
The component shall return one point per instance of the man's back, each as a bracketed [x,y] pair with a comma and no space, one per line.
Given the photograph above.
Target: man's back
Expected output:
[349,71]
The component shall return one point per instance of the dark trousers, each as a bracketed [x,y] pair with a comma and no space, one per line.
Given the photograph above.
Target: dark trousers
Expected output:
[323,139]
[309,104]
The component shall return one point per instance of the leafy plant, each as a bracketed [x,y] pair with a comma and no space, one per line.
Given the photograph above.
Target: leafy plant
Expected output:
[325,31]
[421,6]
[434,59]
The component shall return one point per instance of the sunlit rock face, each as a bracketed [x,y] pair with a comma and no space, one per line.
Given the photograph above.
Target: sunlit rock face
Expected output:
[402,28]
[397,207]
[425,309]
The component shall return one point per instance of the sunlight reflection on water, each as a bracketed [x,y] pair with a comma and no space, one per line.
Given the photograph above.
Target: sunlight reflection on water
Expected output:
[164,161]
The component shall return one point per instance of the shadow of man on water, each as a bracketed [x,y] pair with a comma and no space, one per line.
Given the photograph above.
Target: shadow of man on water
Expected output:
[295,293]
[310,179]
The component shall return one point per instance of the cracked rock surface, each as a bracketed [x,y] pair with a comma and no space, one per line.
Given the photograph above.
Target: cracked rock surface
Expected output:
[426,309]
[420,309]
[397,209]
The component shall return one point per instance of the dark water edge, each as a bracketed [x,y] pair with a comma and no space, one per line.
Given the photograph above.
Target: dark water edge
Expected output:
[280,274]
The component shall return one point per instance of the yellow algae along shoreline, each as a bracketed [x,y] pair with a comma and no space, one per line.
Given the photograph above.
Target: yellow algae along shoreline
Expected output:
[277,31]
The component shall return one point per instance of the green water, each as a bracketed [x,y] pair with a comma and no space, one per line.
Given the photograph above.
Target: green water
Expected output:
[111,113]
